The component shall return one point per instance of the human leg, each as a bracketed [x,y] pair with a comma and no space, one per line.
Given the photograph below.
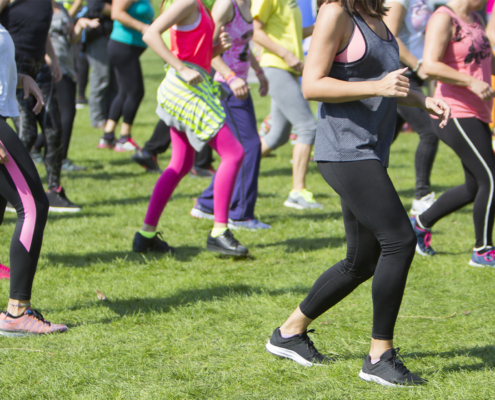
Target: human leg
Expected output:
[66,94]
[158,143]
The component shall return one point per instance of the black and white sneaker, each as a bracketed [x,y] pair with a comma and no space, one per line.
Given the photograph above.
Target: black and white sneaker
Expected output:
[298,348]
[147,161]
[142,244]
[389,371]
[226,243]
[59,202]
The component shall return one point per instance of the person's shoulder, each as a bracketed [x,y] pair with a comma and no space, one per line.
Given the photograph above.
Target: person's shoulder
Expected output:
[404,3]
[332,11]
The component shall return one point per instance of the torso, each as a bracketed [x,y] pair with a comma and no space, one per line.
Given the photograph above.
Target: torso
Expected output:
[60,35]
[140,10]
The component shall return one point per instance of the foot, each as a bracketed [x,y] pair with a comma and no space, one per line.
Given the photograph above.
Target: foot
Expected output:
[37,156]
[201,172]
[81,102]
[302,199]
[421,205]
[147,161]
[423,247]
[389,371]
[142,244]
[483,258]
[59,202]
[250,224]
[4,272]
[226,243]
[107,143]
[69,166]
[99,125]
[201,213]
[30,323]
[126,144]
[298,348]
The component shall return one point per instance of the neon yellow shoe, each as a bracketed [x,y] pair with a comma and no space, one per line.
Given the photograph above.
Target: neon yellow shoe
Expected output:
[301,200]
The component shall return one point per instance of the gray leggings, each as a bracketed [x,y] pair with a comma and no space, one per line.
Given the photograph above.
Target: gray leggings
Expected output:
[289,110]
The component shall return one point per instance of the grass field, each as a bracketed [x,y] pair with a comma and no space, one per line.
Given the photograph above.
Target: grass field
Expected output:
[194,326]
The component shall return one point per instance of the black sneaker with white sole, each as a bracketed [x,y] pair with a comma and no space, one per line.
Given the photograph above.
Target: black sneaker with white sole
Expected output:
[389,371]
[59,202]
[298,348]
[142,244]
[226,243]
[148,161]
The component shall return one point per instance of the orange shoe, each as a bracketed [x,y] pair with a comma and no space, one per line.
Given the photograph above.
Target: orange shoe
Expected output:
[30,323]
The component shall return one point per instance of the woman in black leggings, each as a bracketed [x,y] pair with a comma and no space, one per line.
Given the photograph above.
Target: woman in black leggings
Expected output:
[458,54]
[352,69]
[131,19]
[20,185]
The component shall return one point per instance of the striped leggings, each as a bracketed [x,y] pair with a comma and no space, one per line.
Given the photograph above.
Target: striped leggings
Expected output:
[471,140]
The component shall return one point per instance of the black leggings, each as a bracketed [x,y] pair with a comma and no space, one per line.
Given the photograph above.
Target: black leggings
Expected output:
[48,118]
[21,186]
[380,242]
[420,121]
[124,59]
[471,140]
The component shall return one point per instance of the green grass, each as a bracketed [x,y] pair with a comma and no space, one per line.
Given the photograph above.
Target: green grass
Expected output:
[195,326]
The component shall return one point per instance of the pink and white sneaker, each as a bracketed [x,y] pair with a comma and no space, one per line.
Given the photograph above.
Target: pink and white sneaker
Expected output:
[127,144]
[4,272]
[106,144]
[30,323]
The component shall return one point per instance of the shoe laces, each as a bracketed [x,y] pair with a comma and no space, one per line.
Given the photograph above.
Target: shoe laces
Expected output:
[428,240]
[307,195]
[398,362]
[38,316]
[230,237]
[309,343]
[489,255]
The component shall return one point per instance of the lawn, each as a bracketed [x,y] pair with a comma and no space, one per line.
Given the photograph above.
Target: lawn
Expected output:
[194,326]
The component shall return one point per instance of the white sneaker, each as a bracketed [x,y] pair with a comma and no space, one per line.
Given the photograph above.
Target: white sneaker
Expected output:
[421,205]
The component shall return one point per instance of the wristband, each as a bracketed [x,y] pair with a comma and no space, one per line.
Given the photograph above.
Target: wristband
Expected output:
[420,61]
[231,77]
[259,72]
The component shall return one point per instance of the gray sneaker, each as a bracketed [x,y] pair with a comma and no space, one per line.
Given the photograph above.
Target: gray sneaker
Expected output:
[389,371]
[301,200]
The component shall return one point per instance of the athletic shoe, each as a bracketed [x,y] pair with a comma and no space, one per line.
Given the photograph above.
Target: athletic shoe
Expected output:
[147,161]
[30,323]
[389,371]
[4,272]
[37,156]
[59,202]
[298,348]
[265,126]
[301,200]
[423,247]
[201,213]
[421,205]
[126,144]
[69,166]
[81,102]
[200,172]
[250,224]
[142,244]
[485,259]
[107,143]
[99,125]
[226,243]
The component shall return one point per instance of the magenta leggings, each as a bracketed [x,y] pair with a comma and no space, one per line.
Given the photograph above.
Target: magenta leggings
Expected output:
[231,154]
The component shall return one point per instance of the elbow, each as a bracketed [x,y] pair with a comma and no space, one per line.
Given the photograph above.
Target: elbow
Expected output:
[308,92]
[428,68]
[146,37]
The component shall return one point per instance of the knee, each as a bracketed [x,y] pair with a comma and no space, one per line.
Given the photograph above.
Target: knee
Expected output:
[365,271]
[306,132]
[42,207]
[402,241]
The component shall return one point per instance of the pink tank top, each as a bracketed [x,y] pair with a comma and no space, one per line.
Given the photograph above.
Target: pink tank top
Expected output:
[195,45]
[237,57]
[468,52]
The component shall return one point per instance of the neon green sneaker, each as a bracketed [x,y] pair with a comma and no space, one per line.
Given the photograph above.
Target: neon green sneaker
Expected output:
[301,200]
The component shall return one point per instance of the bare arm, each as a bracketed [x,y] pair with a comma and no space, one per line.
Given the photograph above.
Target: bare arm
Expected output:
[119,13]
[53,60]
[74,9]
[222,13]
[308,31]
[438,35]
[81,24]
[107,10]
[3,4]
[332,25]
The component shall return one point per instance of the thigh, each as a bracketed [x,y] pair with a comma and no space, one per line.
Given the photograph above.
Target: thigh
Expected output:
[241,120]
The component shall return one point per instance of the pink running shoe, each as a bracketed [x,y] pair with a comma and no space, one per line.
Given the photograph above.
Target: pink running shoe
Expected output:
[4,272]
[31,323]
[126,145]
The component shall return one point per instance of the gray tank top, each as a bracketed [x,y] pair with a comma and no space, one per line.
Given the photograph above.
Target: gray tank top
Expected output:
[362,129]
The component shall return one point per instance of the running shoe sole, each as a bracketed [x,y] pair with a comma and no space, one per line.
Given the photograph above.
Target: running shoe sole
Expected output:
[474,264]
[293,205]
[281,352]
[223,251]
[422,253]
[197,213]
[373,378]
[64,209]
[19,333]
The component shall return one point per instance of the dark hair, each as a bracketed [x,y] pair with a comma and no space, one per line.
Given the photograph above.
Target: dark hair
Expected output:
[373,8]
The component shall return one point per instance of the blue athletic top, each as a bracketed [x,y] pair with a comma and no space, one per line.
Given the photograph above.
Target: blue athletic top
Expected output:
[361,129]
[140,10]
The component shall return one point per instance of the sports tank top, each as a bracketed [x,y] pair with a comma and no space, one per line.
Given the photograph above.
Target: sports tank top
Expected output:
[469,52]
[195,45]
[237,57]
[361,129]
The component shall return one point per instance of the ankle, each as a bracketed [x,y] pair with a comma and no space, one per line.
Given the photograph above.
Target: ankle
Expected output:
[16,308]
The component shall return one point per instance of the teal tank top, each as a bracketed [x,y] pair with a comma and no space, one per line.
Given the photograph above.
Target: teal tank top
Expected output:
[140,10]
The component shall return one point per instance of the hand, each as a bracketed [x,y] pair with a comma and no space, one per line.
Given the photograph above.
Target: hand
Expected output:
[263,89]
[482,89]
[293,62]
[240,88]
[421,73]
[224,40]
[56,72]
[88,23]
[438,108]
[30,87]
[3,155]
[191,76]
[393,85]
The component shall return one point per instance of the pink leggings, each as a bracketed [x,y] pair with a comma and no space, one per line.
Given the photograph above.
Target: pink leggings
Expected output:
[231,154]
